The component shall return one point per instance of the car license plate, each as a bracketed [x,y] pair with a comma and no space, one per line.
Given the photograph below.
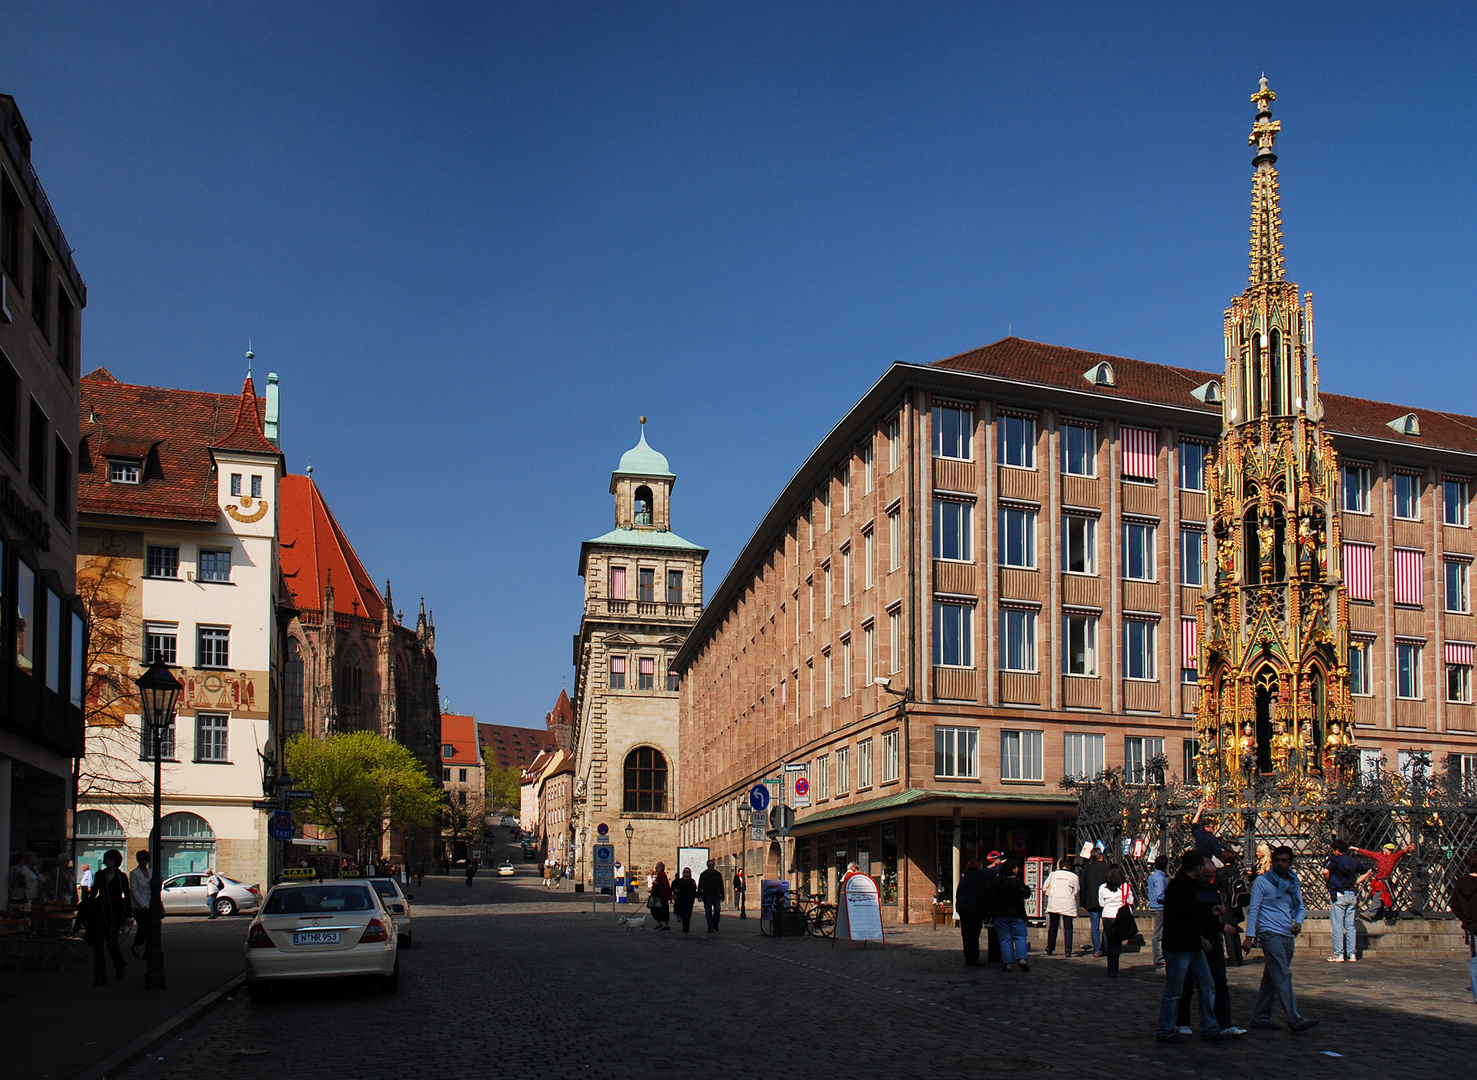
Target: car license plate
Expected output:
[315,937]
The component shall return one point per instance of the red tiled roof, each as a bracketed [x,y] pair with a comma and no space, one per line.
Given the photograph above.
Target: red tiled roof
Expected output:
[513,747]
[1138,380]
[460,733]
[314,550]
[563,712]
[170,432]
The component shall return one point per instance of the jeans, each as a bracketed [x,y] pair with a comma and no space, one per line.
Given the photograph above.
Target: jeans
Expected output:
[1472,971]
[1341,919]
[210,901]
[1112,946]
[712,908]
[1097,931]
[1052,920]
[1176,966]
[1158,939]
[1276,980]
[1216,958]
[1011,930]
[969,928]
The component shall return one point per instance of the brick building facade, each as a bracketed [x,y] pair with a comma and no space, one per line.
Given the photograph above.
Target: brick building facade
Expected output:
[1015,538]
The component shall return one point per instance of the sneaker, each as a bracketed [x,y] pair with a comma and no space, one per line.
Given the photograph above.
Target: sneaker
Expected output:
[1233,1032]
[1351,960]
[1304,1025]
[1186,1030]
[1335,959]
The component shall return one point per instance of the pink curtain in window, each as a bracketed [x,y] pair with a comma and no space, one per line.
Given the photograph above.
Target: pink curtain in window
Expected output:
[617,582]
[1409,574]
[1359,570]
[1140,453]
[1189,642]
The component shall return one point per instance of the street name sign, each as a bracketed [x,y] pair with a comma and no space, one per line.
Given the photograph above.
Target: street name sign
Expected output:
[265,804]
[298,794]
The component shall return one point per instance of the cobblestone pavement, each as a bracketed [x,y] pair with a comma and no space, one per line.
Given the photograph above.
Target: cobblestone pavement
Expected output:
[199,955]
[511,979]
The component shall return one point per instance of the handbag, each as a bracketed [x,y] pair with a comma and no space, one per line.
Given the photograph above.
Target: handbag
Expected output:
[1125,926]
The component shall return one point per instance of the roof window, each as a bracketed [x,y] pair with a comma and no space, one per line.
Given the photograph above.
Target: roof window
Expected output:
[122,471]
[1100,374]
[1409,424]
[1209,392]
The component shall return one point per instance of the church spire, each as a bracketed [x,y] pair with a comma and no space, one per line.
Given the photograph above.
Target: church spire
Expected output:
[1266,204]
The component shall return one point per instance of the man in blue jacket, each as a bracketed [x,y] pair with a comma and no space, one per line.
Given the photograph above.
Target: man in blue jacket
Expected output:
[1274,919]
[1154,894]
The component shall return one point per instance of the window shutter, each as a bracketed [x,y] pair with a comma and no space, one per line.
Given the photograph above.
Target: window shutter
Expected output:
[1359,570]
[1409,575]
[1140,454]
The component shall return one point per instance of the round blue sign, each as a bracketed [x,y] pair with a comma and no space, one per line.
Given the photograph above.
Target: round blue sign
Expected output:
[759,798]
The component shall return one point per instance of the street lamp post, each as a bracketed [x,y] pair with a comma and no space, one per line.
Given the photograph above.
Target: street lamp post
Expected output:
[745,815]
[158,691]
[630,832]
[339,814]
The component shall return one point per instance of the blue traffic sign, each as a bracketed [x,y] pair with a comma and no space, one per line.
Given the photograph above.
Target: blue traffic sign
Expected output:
[759,798]
[282,825]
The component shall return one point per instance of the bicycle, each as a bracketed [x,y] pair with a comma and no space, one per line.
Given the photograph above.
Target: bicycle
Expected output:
[819,917]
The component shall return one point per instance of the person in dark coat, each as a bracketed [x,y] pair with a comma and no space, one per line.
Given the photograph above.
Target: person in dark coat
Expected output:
[710,888]
[660,900]
[740,887]
[1008,915]
[1464,907]
[1188,932]
[969,902]
[1094,875]
[105,912]
[1212,902]
[684,895]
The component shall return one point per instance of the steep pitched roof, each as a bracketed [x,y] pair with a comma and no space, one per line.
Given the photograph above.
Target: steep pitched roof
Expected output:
[314,548]
[170,433]
[246,433]
[563,711]
[460,734]
[513,747]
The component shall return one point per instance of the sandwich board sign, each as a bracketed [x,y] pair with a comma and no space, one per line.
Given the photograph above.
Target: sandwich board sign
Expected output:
[859,915]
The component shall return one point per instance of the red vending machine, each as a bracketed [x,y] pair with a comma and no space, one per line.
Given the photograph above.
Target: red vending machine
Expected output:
[1037,870]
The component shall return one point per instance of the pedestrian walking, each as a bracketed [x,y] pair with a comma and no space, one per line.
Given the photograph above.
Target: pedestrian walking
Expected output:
[1235,895]
[1341,872]
[1008,915]
[84,880]
[60,886]
[1114,895]
[1274,921]
[1464,907]
[104,914]
[548,873]
[710,888]
[1188,931]
[684,894]
[141,899]
[420,874]
[993,862]
[740,886]
[1154,897]
[1381,896]
[25,881]
[471,871]
[1208,895]
[1063,896]
[659,898]
[212,890]
[1094,876]
[969,898]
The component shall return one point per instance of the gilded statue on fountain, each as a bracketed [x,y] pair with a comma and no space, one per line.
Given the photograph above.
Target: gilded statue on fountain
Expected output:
[1274,616]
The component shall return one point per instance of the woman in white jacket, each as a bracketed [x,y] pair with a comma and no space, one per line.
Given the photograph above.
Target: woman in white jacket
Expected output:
[1062,888]
[1114,895]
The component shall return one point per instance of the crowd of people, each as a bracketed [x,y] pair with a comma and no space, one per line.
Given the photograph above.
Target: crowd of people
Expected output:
[1205,914]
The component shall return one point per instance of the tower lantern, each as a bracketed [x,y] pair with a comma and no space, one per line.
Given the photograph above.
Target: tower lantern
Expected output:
[1273,616]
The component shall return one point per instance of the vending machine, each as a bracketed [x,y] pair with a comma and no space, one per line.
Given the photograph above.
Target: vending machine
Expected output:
[1037,870]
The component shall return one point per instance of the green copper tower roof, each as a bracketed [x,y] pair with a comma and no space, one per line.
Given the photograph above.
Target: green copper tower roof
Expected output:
[642,460]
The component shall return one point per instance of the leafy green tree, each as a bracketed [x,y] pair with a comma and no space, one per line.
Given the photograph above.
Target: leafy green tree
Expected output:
[504,788]
[379,783]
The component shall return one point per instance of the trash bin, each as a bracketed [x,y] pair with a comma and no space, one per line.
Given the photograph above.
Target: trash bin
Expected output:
[579,886]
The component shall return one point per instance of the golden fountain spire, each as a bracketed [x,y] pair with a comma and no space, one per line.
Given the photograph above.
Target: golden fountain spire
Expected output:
[1266,208]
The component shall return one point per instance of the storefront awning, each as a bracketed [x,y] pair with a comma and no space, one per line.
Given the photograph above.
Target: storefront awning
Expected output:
[997,803]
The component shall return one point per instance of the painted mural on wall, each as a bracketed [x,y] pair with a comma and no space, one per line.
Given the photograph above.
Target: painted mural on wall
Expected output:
[235,692]
[107,582]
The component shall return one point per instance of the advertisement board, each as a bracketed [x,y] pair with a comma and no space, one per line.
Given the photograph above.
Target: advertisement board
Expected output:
[859,914]
[691,858]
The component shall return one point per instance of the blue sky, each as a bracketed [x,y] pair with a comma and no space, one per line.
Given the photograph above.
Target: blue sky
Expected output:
[477,241]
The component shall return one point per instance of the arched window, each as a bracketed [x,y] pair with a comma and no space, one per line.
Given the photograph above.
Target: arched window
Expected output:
[186,844]
[96,833]
[292,689]
[350,689]
[1276,384]
[1254,383]
[643,505]
[646,781]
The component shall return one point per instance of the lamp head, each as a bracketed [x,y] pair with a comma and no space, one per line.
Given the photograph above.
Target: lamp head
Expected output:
[339,813]
[158,690]
[630,831]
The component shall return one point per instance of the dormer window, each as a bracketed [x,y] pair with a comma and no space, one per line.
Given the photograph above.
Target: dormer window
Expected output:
[122,471]
[1209,392]
[643,505]
[448,750]
[1100,374]
[1409,424]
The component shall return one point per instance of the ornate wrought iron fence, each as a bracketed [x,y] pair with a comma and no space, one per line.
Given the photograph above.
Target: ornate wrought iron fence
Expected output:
[1437,817]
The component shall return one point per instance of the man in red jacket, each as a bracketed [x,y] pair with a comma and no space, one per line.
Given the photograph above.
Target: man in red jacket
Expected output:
[1381,899]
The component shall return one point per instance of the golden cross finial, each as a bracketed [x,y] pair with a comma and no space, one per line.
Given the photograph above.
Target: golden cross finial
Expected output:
[1266,213]
[1263,97]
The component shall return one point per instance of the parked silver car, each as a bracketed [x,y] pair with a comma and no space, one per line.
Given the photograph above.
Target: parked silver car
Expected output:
[184,894]
[397,903]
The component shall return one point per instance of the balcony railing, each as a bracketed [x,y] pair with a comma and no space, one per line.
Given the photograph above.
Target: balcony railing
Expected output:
[646,608]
